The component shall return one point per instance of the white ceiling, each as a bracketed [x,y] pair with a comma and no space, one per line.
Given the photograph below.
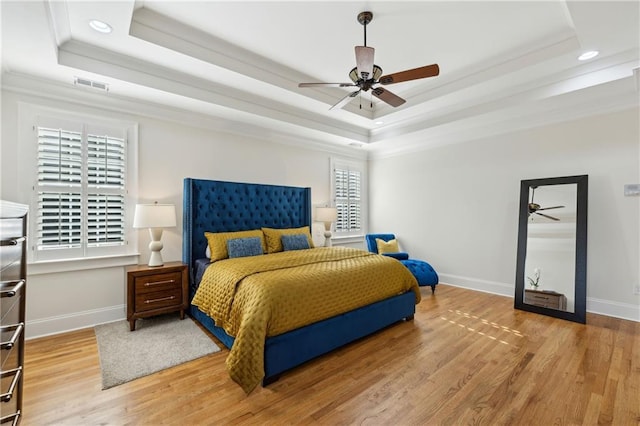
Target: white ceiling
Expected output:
[503,64]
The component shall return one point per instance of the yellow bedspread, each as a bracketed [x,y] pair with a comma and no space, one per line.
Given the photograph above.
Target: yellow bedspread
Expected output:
[256,297]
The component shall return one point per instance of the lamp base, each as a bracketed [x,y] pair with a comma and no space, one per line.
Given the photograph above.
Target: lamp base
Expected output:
[327,238]
[155,246]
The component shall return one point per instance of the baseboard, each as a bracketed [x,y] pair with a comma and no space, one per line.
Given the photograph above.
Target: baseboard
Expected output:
[608,308]
[493,287]
[75,321]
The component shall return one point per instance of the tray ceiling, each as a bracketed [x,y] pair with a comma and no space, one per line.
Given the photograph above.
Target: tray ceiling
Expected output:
[504,65]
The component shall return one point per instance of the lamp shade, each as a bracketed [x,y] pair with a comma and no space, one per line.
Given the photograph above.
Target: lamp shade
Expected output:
[154,216]
[326,214]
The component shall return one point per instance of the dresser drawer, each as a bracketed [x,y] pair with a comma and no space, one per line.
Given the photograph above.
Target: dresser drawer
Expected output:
[11,228]
[10,384]
[150,301]
[10,356]
[10,254]
[11,293]
[158,282]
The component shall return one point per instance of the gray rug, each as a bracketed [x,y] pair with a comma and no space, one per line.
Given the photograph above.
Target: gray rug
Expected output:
[156,344]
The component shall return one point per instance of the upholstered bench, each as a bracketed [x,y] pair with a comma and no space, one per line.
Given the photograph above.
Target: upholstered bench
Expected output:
[423,271]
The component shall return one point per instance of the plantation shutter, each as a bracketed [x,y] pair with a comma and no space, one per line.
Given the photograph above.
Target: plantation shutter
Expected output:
[106,186]
[81,189]
[348,187]
[59,220]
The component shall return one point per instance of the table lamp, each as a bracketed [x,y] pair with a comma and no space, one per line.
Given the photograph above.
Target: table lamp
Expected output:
[155,217]
[327,215]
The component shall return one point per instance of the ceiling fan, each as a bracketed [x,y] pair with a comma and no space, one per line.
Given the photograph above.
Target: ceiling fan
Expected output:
[366,74]
[535,208]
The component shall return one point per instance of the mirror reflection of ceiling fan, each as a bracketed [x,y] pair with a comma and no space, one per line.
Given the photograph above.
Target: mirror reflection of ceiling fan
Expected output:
[366,74]
[535,208]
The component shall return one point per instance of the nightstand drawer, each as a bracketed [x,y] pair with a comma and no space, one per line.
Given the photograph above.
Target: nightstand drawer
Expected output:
[158,282]
[160,299]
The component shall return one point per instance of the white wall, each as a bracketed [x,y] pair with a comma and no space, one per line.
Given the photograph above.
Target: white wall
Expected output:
[457,206]
[168,152]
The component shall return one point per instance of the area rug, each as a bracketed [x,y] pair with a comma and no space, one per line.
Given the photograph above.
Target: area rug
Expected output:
[157,344]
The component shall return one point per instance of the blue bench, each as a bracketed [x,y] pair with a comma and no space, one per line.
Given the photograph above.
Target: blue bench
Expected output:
[423,271]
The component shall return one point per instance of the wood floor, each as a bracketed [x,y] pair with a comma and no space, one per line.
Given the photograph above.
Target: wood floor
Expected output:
[467,358]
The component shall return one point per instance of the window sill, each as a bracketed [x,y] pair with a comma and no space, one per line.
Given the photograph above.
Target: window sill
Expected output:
[344,239]
[69,265]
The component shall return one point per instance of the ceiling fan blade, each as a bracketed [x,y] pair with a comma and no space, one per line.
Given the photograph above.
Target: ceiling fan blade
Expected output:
[554,207]
[387,96]
[547,216]
[326,85]
[414,74]
[345,100]
[364,61]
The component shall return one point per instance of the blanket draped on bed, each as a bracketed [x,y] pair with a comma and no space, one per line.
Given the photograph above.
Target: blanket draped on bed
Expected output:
[256,297]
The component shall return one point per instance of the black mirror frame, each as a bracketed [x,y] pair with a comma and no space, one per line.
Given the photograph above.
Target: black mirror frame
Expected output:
[580,288]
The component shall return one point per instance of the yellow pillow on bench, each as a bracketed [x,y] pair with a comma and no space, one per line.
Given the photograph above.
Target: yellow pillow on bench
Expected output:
[390,246]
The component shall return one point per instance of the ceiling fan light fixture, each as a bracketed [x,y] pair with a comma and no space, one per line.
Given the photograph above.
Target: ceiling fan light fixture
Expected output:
[377,72]
[353,75]
[588,55]
[100,26]
[364,59]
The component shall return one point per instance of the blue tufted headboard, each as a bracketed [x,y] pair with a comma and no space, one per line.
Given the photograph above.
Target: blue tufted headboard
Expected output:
[217,206]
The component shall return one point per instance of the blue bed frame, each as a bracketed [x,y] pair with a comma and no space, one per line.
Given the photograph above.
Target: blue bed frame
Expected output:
[217,206]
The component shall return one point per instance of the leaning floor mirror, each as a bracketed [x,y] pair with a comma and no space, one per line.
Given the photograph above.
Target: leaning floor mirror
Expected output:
[551,273]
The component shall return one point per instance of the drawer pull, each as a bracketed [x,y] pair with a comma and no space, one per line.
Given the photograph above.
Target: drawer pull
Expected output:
[17,372]
[159,283]
[14,338]
[162,299]
[10,293]
[12,241]
[13,418]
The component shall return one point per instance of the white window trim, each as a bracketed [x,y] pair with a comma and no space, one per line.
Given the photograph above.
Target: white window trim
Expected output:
[361,166]
[28,120]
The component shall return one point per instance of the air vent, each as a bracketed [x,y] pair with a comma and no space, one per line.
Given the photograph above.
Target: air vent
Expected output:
[85,82]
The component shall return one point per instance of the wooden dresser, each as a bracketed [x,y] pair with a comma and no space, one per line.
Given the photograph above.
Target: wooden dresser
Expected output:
[546,299]
[154,290]
[13,283]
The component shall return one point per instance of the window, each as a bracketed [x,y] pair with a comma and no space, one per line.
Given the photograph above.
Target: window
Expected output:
[80,195]
[348,193]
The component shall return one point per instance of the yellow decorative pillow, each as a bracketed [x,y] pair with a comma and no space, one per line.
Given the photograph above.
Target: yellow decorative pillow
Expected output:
[218,241]
[390,246]
[273,237]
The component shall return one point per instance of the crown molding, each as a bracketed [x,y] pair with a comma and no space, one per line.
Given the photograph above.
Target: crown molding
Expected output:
[130,109]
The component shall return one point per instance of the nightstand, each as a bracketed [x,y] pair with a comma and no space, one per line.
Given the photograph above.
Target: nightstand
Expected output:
[154,290]
[546,299]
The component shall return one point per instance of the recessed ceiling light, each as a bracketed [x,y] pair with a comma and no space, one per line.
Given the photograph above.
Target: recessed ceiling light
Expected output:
[99,26]
[588,55]
[379,122]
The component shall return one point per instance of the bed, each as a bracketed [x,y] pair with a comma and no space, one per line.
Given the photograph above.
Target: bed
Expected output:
[217,206]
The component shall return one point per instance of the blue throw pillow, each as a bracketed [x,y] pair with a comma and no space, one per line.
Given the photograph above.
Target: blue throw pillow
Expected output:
[242,247]
[295,242]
